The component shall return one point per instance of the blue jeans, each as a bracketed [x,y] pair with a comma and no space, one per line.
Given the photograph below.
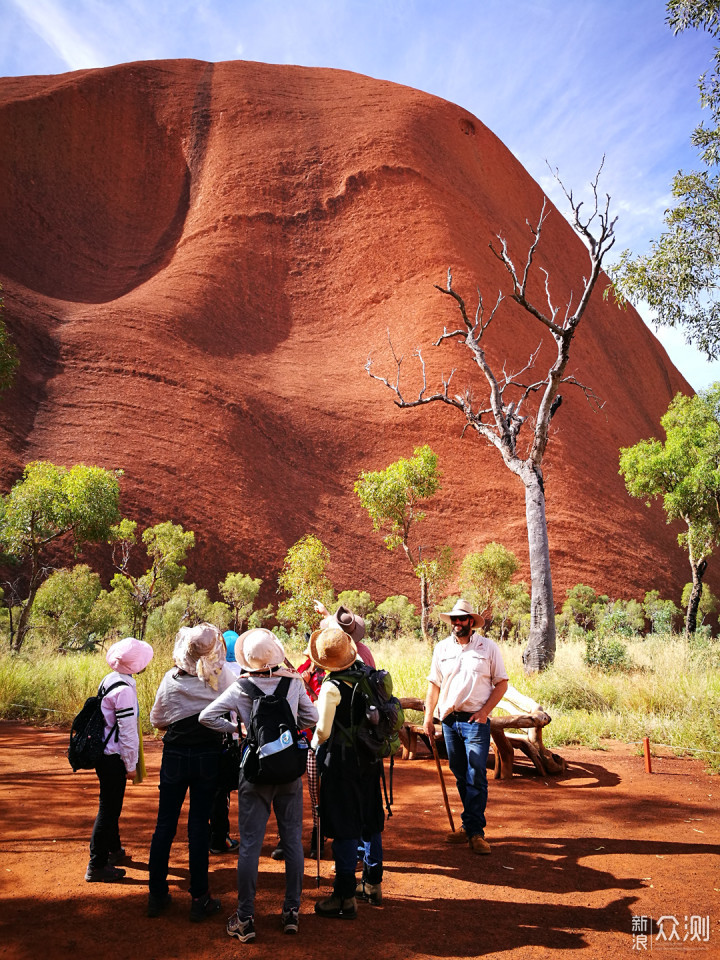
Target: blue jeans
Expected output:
[255,801]
[345,855]
[468,745]
[182,769]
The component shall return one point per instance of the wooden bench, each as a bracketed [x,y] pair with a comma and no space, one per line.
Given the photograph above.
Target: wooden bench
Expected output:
[530,743]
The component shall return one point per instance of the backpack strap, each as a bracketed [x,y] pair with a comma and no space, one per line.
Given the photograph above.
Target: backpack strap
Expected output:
[114,729]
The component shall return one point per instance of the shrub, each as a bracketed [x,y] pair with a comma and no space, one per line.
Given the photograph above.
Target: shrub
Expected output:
[604,652]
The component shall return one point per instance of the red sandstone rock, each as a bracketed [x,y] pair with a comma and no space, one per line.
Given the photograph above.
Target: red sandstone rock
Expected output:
[197,260]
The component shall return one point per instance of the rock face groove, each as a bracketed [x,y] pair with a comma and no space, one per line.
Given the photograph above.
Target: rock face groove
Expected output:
[197,260]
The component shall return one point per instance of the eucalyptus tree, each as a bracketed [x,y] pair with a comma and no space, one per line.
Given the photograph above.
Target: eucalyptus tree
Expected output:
[680,275]
[528,398]
[685,472]
[47,504]
[393,498]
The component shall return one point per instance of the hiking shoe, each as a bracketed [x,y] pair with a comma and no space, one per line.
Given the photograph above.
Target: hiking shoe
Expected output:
[337,907]
[369,893]
[478,844]
[202,907]
[457,836]
[278,853]
[107,874]
[229,846]
[115,856]
[242,930]
[290,921]
[156,905]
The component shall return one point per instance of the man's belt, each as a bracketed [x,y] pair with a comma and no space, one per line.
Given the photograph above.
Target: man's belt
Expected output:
[457,716]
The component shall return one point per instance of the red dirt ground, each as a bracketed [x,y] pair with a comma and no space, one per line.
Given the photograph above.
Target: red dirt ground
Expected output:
[574,859]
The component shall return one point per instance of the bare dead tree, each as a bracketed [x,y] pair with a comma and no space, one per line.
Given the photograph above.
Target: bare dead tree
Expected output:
[516,398]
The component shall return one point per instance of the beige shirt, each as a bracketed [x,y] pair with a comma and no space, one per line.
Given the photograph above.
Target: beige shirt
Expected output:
[466,673]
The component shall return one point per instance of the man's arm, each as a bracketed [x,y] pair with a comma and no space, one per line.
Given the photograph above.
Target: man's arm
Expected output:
[481,715]
[431,699]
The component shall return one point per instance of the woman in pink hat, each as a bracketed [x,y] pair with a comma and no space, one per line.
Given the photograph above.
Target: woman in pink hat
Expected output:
[119,760]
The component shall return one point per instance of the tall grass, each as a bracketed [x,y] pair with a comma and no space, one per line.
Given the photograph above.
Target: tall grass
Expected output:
[669,693]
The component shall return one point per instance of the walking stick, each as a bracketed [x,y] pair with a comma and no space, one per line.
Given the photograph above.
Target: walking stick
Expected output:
[433,747]
[317,848]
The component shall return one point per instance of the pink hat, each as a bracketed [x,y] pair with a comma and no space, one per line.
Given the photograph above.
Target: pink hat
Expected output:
[129,655]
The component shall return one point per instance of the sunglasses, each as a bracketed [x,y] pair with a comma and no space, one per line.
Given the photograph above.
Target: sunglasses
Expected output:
[460,619]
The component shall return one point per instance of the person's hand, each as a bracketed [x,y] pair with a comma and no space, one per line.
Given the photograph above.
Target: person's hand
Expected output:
[321,608]
[429,727]
[130,774]
[479,716]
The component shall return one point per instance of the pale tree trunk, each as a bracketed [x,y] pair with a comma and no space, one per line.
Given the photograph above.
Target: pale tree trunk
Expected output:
[540,650]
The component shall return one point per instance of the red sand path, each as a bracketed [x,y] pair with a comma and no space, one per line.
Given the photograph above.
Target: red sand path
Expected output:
[573,860]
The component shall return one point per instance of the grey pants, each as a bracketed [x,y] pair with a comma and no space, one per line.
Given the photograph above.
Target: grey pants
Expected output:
[254,804]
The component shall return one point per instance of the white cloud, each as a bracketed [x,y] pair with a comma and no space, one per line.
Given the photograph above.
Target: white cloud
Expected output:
[49,21]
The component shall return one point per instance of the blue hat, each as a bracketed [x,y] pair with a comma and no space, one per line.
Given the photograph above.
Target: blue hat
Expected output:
[230,637]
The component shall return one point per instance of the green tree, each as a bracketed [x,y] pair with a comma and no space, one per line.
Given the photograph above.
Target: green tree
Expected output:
[239,591]
[187,607]
[685,472]
[393,498]
[303,580]
[485,577]
[580,605]
[47,504]
[397,615]
[659,612]
[8,354]
[63,612]
[166,545]
[680,276]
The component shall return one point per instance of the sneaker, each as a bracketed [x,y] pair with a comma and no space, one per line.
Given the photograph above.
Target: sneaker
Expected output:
[107,874]
[156,905]
[202,907]
[230,846]
[290,921]
[457,836]
[278,853]
[115,856]
[337,907]
[369,893]
[478,844]
[242,930]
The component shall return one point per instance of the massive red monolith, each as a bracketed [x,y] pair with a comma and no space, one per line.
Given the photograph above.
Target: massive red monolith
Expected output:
[197,260]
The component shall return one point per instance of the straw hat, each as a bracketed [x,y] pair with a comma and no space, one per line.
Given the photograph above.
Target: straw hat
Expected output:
[259,649]
[332,649]
[463,609]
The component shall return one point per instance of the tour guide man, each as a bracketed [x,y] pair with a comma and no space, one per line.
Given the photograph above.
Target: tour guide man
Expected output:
[467,679]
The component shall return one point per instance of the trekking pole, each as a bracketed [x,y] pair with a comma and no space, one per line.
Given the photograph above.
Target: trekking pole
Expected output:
[318,843]
[433,747]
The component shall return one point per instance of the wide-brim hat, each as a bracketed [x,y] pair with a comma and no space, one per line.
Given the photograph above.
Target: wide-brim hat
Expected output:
[463,609]
[129,655]
[332,649]
[350,623]
[259,649]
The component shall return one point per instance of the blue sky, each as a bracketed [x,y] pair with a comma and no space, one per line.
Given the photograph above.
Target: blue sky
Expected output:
[562,81]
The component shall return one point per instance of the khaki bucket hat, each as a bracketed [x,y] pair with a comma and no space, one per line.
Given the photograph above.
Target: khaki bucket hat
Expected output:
[332,649]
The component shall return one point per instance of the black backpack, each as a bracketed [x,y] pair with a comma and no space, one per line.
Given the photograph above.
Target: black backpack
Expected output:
[377,716]
[87,743]
[376,719]
[274,752]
